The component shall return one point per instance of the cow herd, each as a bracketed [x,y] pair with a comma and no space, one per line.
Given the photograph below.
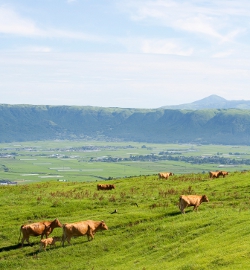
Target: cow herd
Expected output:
[90,227]
[192,200]
[105,187]
[45,228]
[217,174]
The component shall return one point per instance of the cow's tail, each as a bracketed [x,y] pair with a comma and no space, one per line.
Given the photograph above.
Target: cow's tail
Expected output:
[20,231]
[63,235]
[179,203]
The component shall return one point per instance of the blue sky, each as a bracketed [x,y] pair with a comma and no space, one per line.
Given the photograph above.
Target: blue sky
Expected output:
[123,53]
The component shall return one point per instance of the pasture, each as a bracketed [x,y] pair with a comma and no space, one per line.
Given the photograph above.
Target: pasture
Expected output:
[147,232]
[88,161]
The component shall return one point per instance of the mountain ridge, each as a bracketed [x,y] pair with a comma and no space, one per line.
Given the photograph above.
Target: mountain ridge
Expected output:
[35,123]
[211,102]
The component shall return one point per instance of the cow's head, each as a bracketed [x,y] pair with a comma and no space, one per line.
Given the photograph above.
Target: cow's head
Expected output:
[56,223]
[103,226]
[204,198]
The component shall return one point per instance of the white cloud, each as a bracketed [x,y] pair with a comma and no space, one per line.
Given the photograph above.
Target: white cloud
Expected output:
[198,24]
[161,46]
[108,79]
[38,49]
[12,23]
[214,19]
[223,54]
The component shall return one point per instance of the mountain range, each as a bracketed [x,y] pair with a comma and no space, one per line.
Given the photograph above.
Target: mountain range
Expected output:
[212,102]
[197,122]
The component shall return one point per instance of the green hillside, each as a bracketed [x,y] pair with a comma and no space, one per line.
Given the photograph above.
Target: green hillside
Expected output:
[211,126]
[147,232]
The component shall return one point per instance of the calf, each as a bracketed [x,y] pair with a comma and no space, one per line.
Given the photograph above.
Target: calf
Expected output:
[38,228]
[191,200]
[49,241]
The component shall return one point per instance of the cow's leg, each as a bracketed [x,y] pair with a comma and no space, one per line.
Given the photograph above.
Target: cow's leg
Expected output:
[27,240]
[68,240]
[90,236]
[182,207]
[22,241]
[90,233]
[44,234]
[63,239]
[42,245]
[195,208]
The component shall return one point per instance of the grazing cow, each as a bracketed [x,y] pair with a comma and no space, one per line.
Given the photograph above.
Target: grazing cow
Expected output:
[105,186]
[88,227]
[223,173]
[49,241]
[191,200]
[214,174]
[165,175]
[38,228]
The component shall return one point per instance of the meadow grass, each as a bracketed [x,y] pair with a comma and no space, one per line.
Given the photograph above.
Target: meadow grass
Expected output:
[147,232]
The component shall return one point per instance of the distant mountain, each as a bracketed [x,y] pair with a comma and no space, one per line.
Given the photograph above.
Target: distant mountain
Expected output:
[209,126]
[212,102]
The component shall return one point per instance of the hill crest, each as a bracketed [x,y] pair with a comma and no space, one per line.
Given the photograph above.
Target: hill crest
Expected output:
[211,102]
[209,126]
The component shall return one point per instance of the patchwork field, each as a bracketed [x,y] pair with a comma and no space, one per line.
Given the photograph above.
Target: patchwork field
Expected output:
[86,161]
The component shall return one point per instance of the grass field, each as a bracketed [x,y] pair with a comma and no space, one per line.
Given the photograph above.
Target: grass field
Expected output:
[73,160]
[147,232]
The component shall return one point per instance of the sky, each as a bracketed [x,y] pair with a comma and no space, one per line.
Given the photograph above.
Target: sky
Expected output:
[123,53]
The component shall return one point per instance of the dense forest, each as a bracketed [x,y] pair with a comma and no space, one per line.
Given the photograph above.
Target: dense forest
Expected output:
[35,122]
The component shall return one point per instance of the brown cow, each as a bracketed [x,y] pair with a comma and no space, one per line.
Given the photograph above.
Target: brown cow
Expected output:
[105,186]
[38,228]
[88,227]
[165,175]
[49,241]
[191,200]
[214,174]
[223,173]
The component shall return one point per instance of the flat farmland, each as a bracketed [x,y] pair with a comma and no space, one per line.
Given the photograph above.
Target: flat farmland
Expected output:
[88,161]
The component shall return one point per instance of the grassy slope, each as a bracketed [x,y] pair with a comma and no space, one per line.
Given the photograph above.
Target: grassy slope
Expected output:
[153,235]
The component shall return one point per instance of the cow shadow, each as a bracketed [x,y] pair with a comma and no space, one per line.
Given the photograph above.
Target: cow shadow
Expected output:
[36,252]
[66,244]
[8,248]
[17,246]
[172,214]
